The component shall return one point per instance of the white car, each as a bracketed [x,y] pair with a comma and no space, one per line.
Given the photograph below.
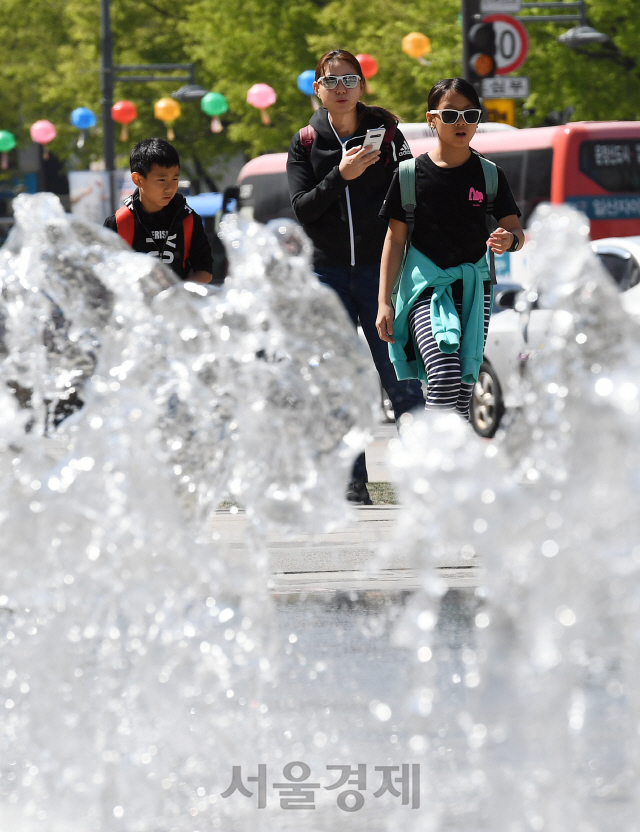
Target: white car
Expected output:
[512,339]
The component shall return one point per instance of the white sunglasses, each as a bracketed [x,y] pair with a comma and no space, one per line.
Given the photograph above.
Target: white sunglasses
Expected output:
[330,82]
[452,116]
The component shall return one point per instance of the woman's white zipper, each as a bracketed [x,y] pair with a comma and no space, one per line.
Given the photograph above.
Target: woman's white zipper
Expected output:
[351,237]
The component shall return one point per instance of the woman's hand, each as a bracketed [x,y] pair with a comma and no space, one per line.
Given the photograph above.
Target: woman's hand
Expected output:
[384,322]
[356,160]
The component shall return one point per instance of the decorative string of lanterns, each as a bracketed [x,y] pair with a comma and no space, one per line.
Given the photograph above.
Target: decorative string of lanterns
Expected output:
[83,118]
[213,104]
[262,96]
[43,132]
[416,45]
[123,113]
[7,143]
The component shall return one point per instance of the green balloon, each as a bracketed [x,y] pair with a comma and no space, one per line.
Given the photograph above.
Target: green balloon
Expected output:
[7,141]
[214,104]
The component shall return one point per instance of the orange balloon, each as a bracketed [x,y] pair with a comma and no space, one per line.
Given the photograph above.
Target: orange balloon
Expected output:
[415,45]
[167,109]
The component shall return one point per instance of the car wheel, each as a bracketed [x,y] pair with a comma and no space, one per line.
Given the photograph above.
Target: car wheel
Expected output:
[487,407]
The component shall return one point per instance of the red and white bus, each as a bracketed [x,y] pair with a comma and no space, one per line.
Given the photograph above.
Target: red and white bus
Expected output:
[592,165]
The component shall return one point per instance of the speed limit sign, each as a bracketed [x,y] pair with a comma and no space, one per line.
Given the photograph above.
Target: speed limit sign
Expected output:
[512,42]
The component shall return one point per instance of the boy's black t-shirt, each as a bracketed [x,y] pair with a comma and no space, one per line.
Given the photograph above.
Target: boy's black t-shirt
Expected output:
[450,216]
[161,235]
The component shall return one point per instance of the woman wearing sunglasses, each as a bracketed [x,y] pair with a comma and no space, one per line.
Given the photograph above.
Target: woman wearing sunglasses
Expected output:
[439,327]
[337,186]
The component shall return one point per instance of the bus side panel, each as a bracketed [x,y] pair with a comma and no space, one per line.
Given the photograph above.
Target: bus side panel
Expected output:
[561,164]
[614,228]
[569,184]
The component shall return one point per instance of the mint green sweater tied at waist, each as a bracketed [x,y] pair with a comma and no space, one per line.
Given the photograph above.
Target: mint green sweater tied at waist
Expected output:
[450,333]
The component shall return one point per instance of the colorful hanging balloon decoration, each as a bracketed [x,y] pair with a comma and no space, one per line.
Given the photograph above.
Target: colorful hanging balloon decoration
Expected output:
[214,105]
[369,67]
[416,45]
[305,85]
[82,118]
[7,143]
[167,110]
[262,96]
[43,132]
[123,113]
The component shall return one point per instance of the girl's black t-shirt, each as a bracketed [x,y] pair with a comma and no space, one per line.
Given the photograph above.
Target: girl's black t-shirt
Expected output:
[450,216]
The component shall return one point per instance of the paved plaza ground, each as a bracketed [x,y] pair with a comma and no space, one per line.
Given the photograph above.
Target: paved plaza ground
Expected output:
[343,560]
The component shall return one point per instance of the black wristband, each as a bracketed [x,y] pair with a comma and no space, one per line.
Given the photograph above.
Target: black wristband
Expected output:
[515,245]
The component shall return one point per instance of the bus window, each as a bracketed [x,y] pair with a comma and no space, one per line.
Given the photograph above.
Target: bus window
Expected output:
[614,165]
[529,175]
[511,164]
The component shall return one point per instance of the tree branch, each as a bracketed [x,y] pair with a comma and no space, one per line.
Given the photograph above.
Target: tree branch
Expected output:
[161,11]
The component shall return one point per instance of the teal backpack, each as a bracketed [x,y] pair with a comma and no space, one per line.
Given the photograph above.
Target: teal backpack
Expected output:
[407,173]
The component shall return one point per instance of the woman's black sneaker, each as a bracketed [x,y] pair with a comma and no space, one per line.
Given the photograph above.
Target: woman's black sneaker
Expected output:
[357,493]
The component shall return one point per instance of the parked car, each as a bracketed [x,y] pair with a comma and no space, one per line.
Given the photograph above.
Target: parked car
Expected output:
[512,340]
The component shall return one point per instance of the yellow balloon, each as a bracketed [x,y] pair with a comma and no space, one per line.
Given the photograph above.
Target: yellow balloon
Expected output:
[415,45]
[167,109]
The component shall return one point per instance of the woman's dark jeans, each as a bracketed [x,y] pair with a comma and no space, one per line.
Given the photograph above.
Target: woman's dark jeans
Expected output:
[357,288]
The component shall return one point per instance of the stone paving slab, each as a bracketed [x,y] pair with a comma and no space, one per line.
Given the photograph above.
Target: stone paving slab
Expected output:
[339,560]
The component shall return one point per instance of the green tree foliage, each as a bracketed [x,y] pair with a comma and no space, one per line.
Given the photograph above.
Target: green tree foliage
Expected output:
[402,84]
[52,50]
[600,81]
[256,41]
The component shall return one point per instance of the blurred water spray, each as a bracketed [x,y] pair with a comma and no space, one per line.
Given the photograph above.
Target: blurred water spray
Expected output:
[548,711]
[138,656]
[133,654]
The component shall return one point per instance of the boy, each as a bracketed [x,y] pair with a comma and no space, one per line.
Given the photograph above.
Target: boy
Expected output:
[156,220]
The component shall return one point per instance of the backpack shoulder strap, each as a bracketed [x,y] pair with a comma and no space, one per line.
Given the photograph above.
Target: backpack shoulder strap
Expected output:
[407,177]
[126,224]
[307,135]
[490,171]
[187,228]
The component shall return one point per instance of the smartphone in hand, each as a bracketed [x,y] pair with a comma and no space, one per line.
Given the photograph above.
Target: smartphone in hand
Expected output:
[373,138]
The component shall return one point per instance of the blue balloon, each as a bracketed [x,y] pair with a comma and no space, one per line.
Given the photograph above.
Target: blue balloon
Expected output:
[83,118]
[305,81]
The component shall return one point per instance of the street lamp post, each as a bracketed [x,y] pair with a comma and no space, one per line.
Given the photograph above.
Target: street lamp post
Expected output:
[108,76]
[106,88]
[580,35]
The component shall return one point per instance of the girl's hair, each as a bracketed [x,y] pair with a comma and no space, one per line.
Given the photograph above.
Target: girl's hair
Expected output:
[458,85]
[387,117]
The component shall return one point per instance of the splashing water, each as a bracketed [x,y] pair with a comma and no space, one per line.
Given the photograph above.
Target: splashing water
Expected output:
[141,652]
[124,628]
[544,735]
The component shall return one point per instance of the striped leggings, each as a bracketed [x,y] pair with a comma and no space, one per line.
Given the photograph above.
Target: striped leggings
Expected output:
[445,389]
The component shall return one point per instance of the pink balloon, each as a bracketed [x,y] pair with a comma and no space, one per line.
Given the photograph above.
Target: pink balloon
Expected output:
[43,131]
[261,96]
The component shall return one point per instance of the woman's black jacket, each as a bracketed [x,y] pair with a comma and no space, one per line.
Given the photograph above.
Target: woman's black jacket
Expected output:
[341,217]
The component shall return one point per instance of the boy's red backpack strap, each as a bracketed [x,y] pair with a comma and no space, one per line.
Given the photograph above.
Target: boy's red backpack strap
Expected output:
[307,135]
[126,224]
[187,229]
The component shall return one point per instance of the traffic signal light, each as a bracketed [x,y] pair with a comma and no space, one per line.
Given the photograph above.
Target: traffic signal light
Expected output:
[478,45]
[481,49]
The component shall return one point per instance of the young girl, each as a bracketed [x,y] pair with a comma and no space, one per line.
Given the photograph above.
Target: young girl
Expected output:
[337,187]
[439,327]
